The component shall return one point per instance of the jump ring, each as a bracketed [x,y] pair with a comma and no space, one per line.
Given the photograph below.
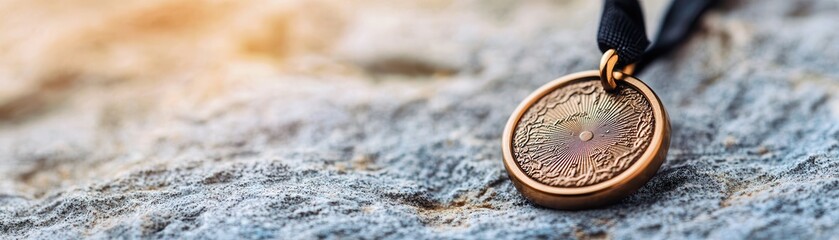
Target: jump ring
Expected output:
[607,69]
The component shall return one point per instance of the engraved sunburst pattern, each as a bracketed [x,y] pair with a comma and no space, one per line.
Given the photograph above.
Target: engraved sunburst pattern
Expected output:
[579,135]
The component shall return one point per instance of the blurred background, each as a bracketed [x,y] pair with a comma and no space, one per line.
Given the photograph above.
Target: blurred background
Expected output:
[88,84]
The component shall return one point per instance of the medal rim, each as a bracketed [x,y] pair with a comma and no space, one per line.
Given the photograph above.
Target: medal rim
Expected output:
[624,183]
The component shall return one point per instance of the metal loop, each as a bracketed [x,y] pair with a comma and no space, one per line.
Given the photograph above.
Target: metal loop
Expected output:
[608,74]
[607,69]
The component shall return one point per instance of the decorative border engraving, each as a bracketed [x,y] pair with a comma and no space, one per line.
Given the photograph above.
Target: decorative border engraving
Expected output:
[579,135]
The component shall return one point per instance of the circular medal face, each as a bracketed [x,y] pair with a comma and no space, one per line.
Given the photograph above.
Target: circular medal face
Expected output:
[571,144]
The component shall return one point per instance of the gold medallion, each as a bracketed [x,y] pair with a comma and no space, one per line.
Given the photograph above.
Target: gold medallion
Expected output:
[581,141]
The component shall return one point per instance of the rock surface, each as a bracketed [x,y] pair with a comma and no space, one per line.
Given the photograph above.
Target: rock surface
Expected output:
[382,119]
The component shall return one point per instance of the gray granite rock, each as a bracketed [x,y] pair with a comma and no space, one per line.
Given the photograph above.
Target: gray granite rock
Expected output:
[383,120]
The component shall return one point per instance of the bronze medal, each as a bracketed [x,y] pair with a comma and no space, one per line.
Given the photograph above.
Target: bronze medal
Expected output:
[585,140]
[591,138]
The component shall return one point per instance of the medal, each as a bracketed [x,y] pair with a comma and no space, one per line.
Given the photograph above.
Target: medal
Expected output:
[591,138]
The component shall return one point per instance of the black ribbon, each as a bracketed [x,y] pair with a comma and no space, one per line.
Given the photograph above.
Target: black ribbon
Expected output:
[622,28]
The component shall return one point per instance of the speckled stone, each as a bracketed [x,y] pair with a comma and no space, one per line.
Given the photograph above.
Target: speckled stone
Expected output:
[383,119]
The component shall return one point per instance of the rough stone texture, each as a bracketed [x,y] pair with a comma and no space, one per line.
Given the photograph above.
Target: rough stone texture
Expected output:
[382,119]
